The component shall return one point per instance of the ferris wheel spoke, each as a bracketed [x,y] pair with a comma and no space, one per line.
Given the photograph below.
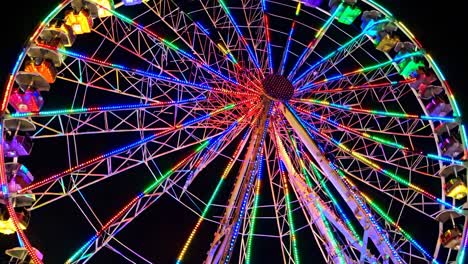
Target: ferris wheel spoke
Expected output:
[204,214]
[367,160]
[403,195]
[193,34]
[313,204]
[220,14]
[409,201]
[180,127]
[266,22]
[116,121]
[125,73]
[254,14]
[313,43]
[103,108]
[286,52]
[139,46]
[276,188]
[100,171]
[293,151]
[396,85]
[377,113]
[400,152]
[382,67]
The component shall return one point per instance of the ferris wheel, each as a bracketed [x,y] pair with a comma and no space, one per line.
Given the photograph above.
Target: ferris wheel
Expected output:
[219,131]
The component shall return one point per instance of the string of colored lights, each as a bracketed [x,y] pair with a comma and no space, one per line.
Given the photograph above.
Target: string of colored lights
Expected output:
[353,88]
[95,109]
[383,171]
[387,142]
[125,148]
[310,85]
[314,42]
[143,73]
[125,68]
[333,53]
[286,50]
[392,222]
[226,172]
[168,43]
[384,141]
[371,112]
[206,144]
[249,187]
[361,134]
[292,229]
[133,202]
[253,216]
[338,207]
[252,55]
[288,42]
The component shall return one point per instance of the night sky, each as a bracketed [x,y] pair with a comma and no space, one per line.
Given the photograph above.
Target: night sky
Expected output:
[436,25]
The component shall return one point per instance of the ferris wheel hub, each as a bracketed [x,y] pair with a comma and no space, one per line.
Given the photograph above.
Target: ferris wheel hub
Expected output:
[278,87]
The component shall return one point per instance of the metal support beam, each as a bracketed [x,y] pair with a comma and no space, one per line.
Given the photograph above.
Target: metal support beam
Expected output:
[386,250]
[220,245]
[308,198]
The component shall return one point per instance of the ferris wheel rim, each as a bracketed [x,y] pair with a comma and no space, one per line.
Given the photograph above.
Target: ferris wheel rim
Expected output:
[403,28]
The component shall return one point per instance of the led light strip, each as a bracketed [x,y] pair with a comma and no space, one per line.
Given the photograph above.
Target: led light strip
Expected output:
[94,109]
[364,86]
[125,148]
[307,176]
[292,229]
[361,70]
[372,112]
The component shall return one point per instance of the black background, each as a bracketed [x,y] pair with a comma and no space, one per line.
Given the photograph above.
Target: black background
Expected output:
[438,25]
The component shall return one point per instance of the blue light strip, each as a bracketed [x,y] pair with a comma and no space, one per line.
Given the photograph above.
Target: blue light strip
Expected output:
[102,108]
[286,51]
[202,28]
[241,36]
